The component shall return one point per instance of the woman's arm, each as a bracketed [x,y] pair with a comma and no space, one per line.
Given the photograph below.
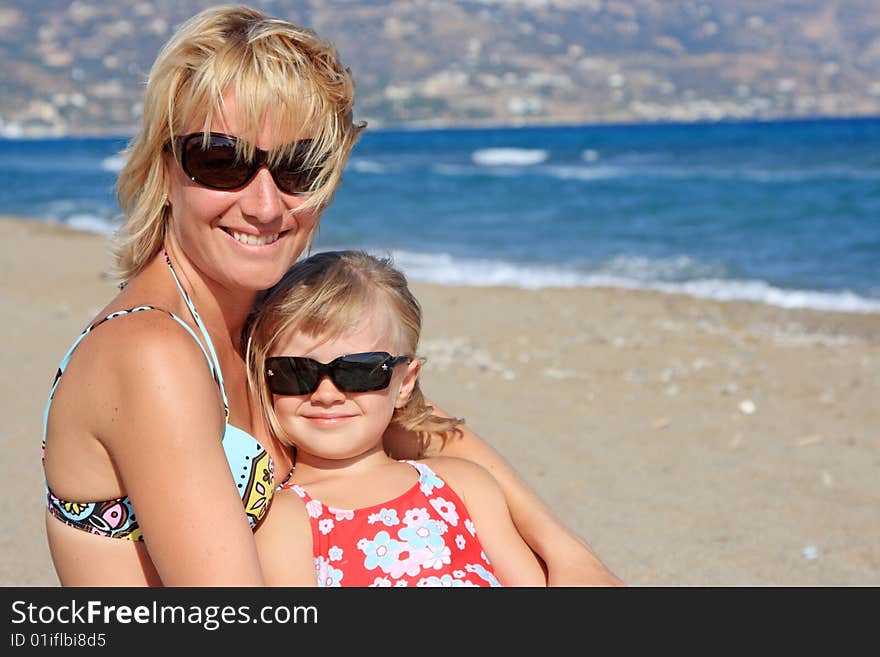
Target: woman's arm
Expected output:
[284,543]
[568,558]
[163,428]
[512,560]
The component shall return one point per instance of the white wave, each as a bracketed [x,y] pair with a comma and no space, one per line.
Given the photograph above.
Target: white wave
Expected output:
[745,172]
[508,156]
[366,166]
[762,292]
[628,273]
[506,160]
[568,172]
[113,163]
[803,175]
[679,268]
[560,171]
[470,171]
[90,223]
[446,269]
[60,208]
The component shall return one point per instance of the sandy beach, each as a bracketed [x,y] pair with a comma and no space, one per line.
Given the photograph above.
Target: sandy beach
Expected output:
[690,442]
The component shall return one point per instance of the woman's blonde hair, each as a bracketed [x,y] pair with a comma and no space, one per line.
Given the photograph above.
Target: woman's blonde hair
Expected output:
[278,71]
[326,296]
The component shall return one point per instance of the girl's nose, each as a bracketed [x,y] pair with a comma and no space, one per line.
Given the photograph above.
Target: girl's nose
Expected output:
[327,392]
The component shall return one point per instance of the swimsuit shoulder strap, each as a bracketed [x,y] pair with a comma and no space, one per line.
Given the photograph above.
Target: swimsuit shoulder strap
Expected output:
[215,362]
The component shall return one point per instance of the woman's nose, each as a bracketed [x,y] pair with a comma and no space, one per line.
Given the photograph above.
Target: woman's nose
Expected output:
[261,199]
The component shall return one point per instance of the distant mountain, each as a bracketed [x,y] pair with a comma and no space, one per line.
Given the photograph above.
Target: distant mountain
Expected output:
[78,67]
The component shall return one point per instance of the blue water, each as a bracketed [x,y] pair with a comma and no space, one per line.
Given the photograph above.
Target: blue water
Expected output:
[786,213]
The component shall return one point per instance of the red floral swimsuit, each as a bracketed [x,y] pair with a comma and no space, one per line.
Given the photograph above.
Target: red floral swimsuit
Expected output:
[423,537]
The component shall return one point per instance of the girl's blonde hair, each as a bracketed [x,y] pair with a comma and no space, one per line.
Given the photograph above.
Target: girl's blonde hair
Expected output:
[279,72]
[326,296]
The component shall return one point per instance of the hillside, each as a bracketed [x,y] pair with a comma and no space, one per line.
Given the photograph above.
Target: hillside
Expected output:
[79,67]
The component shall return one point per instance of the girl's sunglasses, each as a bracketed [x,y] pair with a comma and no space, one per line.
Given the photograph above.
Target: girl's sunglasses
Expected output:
[364,372]
[216,165]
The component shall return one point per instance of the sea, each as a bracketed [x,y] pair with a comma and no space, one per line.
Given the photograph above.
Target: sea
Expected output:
[785,213]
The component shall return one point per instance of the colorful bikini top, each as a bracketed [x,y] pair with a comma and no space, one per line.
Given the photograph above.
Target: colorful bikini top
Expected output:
[424,537]
[251,466]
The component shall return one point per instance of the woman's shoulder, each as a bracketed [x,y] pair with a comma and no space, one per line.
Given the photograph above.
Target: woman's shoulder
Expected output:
[461,474]
[138,374]
[139,353]
[126,336]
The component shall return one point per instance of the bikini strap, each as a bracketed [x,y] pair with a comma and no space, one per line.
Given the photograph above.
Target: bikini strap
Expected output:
[218,374]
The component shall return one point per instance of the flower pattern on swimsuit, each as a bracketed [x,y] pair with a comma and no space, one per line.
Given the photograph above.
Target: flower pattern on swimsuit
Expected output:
[417,539]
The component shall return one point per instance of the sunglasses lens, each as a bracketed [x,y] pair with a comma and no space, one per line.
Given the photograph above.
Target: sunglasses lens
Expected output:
[292,376]
[363,372]
[295,180]
[293,176]
[215,164]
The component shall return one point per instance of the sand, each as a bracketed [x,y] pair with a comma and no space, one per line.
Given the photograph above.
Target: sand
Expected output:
[690,442]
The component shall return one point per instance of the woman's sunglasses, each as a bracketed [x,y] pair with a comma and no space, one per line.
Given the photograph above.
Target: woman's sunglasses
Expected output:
[364,372]
[215,164]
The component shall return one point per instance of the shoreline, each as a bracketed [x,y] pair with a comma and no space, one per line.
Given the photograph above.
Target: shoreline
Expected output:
[870,306]
[691,442]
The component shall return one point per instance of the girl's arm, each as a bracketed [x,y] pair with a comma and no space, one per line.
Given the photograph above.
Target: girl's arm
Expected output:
[512,561]
[568,558]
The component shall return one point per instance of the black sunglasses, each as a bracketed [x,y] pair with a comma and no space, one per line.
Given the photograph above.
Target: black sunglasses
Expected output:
[364,372]
[215,164]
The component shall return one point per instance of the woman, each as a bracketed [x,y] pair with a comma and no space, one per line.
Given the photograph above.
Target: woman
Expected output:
[247,127]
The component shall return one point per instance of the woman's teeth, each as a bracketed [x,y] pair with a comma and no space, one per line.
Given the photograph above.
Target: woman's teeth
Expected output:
[253,240]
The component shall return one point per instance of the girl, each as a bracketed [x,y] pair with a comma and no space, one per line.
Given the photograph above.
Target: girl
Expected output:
[332,357]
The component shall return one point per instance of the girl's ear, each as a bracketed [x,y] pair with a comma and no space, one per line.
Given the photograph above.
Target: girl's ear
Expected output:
[409,382]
